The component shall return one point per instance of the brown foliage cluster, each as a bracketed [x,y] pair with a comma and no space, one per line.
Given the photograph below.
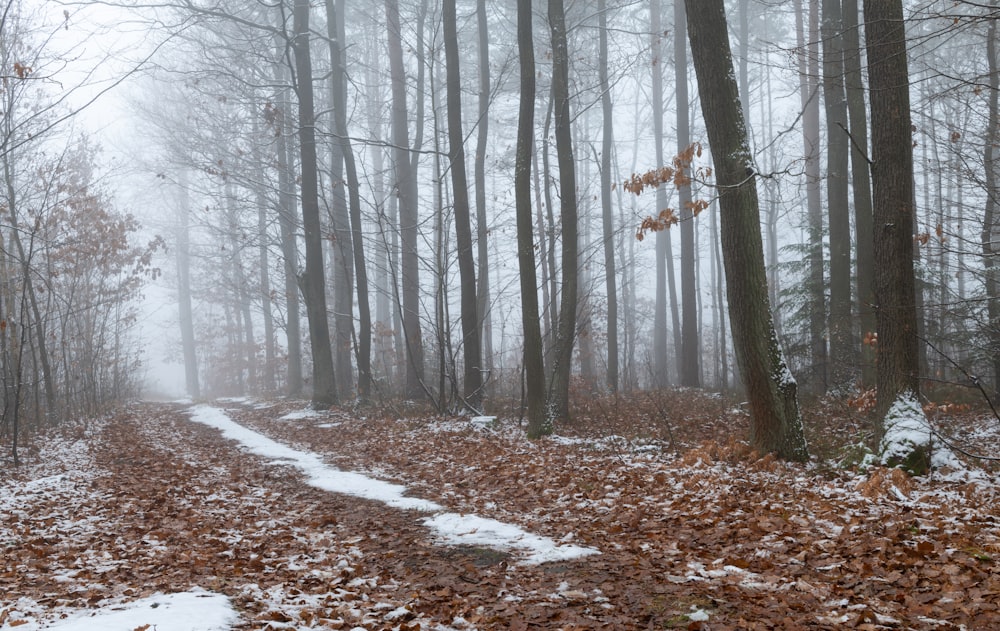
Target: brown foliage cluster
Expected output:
[695,531]
[678,175]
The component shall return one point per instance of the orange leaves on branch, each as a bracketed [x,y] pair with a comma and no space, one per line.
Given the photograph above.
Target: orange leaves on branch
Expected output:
[22,71]
[676,174]
[663,221]
[696,206]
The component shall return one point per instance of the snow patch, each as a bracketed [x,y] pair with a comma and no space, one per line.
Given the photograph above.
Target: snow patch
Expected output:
[299,414]
[195,610]
[906,429]
[458,529]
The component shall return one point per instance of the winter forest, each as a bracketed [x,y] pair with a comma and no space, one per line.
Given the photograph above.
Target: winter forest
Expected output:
[506,314]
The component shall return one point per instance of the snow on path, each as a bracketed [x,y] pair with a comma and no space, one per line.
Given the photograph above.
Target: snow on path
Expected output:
[452,528]
[196,610]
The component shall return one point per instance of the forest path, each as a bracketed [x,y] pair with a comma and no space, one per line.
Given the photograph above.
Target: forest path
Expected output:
[163,503]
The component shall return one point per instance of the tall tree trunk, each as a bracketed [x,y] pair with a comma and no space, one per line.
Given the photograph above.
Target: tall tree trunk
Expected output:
[363,354]
[534,368]
[263,261]
[342,246]
[241,291]
[661,372]
[690,349]
[842,357]
[862,190]
[312,281]
[184,290]
[892,186]
[482,222]
[991,221]
[607,147]
[552,306]
[406,185]
[287,223]
[471,345]
[774,415]
[808,59]
[566,334]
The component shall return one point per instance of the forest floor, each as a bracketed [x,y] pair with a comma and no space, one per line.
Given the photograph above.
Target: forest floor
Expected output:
[620,521]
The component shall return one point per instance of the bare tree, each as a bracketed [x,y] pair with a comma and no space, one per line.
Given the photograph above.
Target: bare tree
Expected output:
[607,147]
[312,280]
[471,345]
[566,334]
[771,391]
[534,368]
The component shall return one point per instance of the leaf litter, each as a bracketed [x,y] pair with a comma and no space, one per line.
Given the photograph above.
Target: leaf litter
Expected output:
[148,503]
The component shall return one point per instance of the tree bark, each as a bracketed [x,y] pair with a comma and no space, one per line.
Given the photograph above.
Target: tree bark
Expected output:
[661,372]
[471,344]
[406,186]
[690,350]
[607,147]
[342,244]
[774,415]
[842,358]
[184,291]
[482,222]
[312,281]
[808,60]
[363,354]
[892,186]
[566,334]
[287,222]
[534,368]
[991,221]
[862,189]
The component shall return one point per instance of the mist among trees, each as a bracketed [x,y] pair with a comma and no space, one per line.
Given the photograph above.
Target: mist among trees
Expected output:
[430,202]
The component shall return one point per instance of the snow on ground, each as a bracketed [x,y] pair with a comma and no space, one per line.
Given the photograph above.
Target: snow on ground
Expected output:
[451,528]
[196,610]
[299,414]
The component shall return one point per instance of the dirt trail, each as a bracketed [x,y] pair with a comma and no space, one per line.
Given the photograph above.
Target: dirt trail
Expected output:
[699,542]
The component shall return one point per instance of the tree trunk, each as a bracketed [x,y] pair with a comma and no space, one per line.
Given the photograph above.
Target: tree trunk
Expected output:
[808,59]
[534,368]
[312,281]
[406,186]
[991,222]
[661,372]
[690,350]
[184,291]
[607,147]
[862,189]
[775,422]
[287,223]
[482,222]
[471,345]
[342,246]
[838,152]
[566,334]
[263,261]
[892,186]
[363,354]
